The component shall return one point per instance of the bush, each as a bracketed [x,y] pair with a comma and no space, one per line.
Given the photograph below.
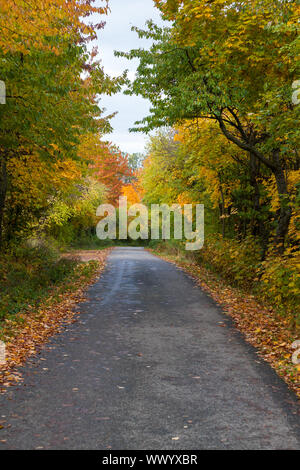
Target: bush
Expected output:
[275,280]
[236,261]
[280,285]
[27,275]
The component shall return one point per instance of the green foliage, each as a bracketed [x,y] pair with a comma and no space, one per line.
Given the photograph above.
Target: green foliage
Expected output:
[27,276]
[191,169]
[72,216]
[53,96]
[235,261]
[280,285]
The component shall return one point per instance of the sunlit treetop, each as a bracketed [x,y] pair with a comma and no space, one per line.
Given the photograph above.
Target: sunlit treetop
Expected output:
[26,24]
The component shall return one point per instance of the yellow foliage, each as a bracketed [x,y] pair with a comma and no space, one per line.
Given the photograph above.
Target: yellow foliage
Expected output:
[21,22]
[34,180]
[133,193]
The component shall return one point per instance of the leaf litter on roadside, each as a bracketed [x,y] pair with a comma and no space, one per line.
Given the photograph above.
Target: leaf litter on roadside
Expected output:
[26,336]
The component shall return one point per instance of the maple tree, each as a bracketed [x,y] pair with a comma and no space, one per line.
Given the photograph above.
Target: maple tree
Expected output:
[111,168]
[107,164]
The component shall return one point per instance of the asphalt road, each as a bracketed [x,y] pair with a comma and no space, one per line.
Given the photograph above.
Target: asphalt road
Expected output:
[152,363]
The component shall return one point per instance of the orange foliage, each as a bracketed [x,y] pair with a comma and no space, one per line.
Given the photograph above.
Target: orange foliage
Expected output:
[133,193]
[110,167]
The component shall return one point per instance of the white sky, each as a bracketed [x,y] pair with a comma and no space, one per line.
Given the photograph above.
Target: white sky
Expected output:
[117,35]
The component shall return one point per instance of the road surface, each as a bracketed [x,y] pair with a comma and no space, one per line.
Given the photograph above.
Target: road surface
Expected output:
[152,363]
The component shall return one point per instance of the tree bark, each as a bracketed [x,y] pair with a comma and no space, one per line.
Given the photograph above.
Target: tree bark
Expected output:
[254,169]
[285,211]
[3,192]
[277,168]
[222,208]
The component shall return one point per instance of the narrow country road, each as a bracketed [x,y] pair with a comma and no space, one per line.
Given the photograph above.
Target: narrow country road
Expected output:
[152,363]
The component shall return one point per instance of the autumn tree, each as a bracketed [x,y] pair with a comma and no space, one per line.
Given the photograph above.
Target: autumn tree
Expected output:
[107,164]
[234,64]
[54,83]
[30,24]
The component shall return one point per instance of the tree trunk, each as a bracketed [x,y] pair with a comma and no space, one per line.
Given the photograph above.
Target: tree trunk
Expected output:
[285,211]
[222,209]
[254,170]
[3,191]
[277,168]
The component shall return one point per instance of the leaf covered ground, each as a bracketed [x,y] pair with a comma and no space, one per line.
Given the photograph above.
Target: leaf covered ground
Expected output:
[26,333]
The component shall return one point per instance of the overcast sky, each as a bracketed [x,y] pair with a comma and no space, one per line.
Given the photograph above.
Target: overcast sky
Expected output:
[117,35]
